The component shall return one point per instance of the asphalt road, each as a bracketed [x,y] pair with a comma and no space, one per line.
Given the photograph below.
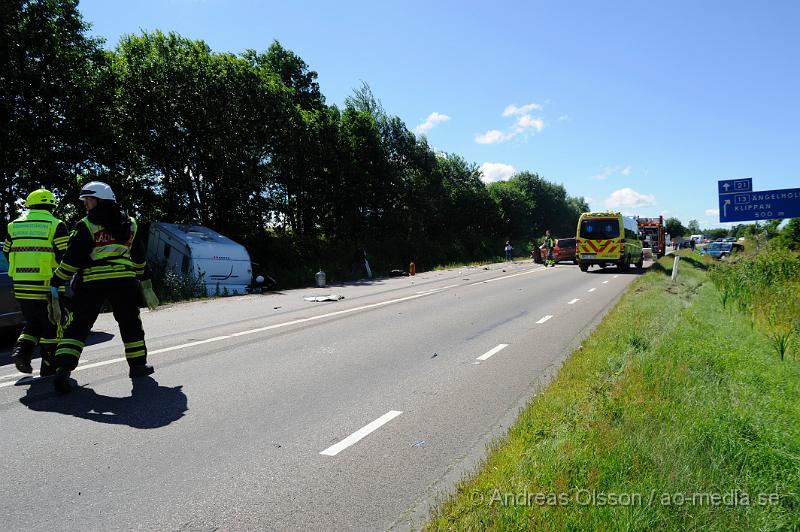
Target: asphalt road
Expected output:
[272,412]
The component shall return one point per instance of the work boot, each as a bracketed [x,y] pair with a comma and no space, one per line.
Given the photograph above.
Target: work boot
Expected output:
[21,359]
[48,367]
[141,371]
[61,380]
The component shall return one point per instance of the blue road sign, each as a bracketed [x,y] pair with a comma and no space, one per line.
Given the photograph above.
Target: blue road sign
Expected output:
[731,186]
[739,206]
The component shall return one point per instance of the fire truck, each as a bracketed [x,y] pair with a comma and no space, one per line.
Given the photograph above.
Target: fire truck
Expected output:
[654,235]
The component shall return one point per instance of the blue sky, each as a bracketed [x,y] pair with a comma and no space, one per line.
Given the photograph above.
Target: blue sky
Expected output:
[638,106]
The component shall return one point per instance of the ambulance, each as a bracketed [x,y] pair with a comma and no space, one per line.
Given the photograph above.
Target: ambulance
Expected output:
[608,239]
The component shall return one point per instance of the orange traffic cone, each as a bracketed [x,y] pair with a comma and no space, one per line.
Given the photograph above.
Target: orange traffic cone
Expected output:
[412,269]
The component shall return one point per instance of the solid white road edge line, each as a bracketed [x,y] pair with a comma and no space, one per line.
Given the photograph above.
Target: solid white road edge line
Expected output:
[333,450]
[545,319]
[262,329]
[507,276]
[493,351]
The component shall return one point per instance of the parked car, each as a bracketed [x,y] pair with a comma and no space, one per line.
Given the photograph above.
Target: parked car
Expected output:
[564,250]
[720,250]
[10,314]
[730,239]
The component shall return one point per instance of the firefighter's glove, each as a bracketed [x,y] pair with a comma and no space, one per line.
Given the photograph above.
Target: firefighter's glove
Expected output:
[149,296]
[53,307]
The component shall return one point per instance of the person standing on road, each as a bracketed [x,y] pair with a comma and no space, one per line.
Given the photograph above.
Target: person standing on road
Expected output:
[106,252]
[509,250]
[692,244]
[360,261]
[34,246]
[549,244]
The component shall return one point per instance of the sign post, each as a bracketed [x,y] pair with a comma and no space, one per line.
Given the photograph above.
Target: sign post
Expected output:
[738,202]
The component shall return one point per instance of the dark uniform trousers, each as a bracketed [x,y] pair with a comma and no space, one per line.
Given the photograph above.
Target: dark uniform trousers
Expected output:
[38,330]
[123,295]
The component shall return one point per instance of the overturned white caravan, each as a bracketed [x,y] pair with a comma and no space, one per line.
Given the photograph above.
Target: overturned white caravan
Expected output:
[224,264]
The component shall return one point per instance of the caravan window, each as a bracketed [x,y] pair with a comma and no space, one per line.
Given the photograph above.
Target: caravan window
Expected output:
[185,264]
[167,249]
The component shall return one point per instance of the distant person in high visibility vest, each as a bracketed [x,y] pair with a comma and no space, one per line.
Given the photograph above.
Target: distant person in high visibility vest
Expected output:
[35,244]
[106,252]
[549,244]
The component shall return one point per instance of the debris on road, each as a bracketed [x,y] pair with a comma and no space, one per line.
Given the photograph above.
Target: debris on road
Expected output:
[329,297]
[420,443]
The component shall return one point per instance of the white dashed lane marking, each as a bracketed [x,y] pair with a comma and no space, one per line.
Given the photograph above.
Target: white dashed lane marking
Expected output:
[333,450]
[544,319]
[493,351]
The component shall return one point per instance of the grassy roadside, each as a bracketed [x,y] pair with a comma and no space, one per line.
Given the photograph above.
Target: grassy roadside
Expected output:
[674,414]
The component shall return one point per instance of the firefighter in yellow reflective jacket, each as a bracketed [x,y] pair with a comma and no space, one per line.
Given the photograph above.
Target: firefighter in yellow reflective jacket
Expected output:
[106,253]
[549,244]
[35,244]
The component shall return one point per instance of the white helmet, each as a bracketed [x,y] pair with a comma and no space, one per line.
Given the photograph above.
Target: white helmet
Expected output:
[97,189]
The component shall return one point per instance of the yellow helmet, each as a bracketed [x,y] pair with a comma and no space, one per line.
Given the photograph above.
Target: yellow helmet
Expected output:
[40,197]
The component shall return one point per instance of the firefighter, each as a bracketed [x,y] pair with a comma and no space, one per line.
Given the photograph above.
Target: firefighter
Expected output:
[35,244]
[106,254]
[549,244]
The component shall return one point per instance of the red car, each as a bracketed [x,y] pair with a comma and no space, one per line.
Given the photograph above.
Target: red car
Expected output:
[564,250]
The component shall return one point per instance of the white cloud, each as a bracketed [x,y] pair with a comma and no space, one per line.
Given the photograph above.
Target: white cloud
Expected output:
[563,117]
[526,122]
[607,171]
[433,120]
[712,212]
[512,110]
[496,171]
[627,198]
[493,136]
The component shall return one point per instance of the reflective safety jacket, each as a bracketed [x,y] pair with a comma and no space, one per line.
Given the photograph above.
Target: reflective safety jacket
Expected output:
[98,256]
[549,242]
[35,244]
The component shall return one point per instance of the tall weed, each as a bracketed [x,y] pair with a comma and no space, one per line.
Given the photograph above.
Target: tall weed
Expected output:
[766,286]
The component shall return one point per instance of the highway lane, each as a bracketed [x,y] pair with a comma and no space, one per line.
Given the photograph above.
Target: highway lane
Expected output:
[229,433]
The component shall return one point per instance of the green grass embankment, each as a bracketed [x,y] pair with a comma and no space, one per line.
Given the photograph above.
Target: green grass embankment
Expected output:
[675,414]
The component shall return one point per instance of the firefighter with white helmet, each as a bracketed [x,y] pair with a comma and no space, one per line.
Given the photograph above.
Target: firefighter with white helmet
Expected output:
[107,256]
[35,244]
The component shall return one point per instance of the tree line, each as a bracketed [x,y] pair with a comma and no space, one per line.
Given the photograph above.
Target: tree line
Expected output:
[246,144]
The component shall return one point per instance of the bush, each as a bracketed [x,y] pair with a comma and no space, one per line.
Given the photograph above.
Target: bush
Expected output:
[170,285]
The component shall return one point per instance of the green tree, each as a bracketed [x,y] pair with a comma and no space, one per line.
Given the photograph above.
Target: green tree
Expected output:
[205,127]
[52,91]
[675,228]
[791,233]
[693,227]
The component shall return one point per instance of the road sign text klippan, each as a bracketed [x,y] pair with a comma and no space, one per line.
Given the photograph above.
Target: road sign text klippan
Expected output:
[738,202]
